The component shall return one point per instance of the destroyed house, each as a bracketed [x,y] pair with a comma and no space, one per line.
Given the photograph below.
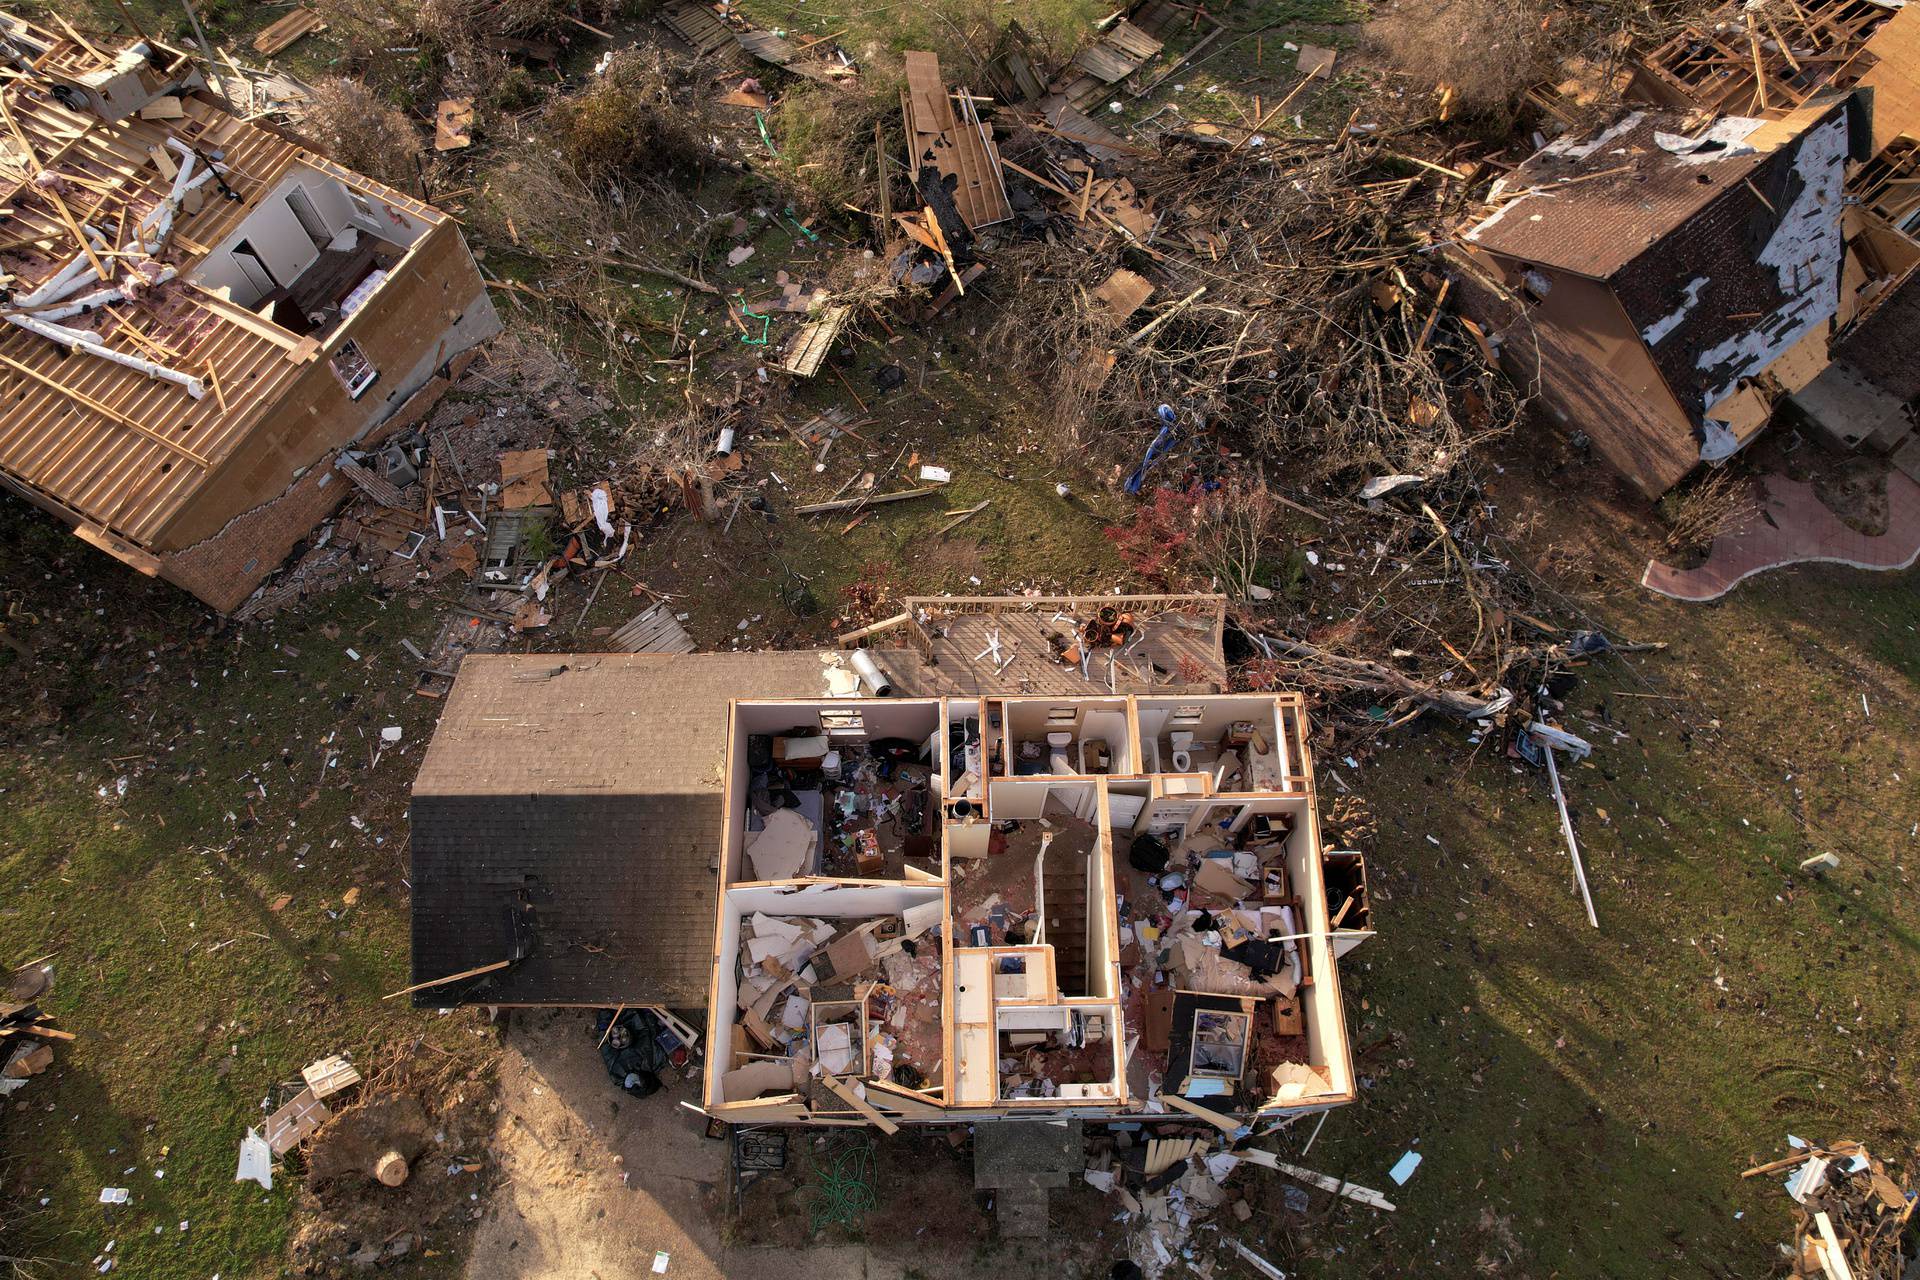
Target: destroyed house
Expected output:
[1651,274]
[200,313]
[964,900]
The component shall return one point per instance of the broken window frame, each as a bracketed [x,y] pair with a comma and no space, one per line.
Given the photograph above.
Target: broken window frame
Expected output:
[344,359]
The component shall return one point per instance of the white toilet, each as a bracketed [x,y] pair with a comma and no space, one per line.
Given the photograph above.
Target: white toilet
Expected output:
[1058,761]
[1182,743]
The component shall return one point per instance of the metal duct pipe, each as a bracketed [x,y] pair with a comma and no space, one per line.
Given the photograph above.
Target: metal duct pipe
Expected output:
[869,671]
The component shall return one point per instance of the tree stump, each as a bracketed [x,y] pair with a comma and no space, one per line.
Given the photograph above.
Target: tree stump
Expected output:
[391,1169]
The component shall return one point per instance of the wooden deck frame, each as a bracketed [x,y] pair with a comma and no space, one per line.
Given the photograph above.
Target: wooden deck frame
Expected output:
[1733,62]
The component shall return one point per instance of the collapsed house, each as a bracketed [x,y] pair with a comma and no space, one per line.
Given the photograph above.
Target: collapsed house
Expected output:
[1654,274]
[1738,246]
[1018,858]
[200,313]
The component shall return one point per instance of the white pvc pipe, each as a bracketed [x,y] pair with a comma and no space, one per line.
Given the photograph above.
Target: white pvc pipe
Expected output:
[99,298]
[82,341]
[1566,829]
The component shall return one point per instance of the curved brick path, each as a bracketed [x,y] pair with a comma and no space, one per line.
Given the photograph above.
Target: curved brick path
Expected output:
[1801,531]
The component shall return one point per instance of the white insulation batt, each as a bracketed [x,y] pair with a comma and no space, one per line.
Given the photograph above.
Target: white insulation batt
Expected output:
[1804,252]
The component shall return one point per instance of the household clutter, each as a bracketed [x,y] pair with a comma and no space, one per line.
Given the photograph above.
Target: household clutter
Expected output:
[849,809]
[827,999]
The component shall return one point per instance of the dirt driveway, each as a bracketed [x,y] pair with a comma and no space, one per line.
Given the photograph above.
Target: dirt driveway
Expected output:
[592,1183]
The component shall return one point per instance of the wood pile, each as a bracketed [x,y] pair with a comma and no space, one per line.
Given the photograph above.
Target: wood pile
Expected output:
[27,1035]
[1852,1215]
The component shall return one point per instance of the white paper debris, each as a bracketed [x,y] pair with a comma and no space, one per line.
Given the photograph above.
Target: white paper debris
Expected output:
[256,1161]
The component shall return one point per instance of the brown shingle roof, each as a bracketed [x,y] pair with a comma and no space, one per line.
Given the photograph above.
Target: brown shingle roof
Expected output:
[1592,205]
[584,792]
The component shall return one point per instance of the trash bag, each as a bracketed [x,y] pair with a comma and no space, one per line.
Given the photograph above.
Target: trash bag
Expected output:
[631,1049]
[1147,853]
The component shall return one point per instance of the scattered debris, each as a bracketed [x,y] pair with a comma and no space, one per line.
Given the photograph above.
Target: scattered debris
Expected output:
[1851,1214]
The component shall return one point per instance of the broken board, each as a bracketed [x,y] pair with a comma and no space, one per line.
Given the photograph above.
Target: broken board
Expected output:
[655,631]
[453,125]
[814,341]
[957,143]
[294,26]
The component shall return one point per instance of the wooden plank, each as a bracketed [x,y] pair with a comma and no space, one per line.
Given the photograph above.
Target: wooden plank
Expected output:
[474,972]
[294,26]
[861,1105]
[847,504]
[1226,1124]
[906,1101]
[111,415]
[814,341]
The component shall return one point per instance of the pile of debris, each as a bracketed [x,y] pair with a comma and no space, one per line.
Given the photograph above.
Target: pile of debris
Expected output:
[27,1035]
[1171,1182]
[1852,1218]
[299,1118]
[814,1012]
[465,499]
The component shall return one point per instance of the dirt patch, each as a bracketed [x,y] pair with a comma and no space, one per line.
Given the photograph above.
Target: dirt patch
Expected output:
[592,1181]
[437,1115]
[1855,489]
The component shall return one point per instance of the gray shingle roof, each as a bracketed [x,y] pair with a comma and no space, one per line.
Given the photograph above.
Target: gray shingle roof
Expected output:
[582,795]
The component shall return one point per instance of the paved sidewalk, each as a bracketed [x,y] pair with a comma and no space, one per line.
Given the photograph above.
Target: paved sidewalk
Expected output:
[1794,528]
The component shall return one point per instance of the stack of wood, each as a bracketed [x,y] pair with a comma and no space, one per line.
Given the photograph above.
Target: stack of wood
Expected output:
[1851,1213]
[27,1035]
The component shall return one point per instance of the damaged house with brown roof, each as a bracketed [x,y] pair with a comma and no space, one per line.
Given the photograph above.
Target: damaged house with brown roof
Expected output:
[993,858]
[1740,249]
[1652,273]
[200,312]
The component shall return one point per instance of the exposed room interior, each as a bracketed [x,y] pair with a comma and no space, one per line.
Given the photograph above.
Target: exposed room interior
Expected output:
[848,977]
[311,252]
[1241,744]
[847,792]
[1111,935]
[1083,737]
[1224,912]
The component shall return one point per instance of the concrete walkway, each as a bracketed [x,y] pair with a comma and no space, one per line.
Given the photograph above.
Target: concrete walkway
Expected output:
[1795,528]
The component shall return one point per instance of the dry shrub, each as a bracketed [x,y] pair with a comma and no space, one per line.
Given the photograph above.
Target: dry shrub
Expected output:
[1718,504]
[1223,537]
[1052,333]
[1317,341]
[356,129]
[1236,529]
[1489,52]
[825,139]
[626,123]
[964,32]
[452,24]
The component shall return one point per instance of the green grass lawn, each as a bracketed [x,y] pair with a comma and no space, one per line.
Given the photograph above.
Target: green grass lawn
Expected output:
[191,994]
[1585,1099]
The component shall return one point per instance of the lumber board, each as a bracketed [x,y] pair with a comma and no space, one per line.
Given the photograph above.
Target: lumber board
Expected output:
[861,1105]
